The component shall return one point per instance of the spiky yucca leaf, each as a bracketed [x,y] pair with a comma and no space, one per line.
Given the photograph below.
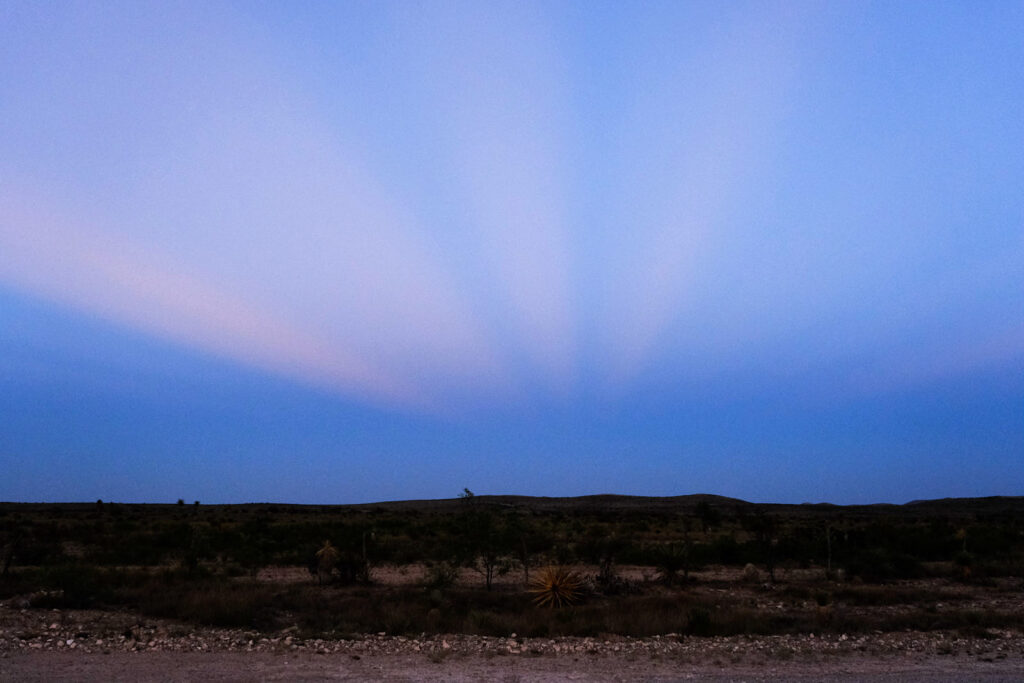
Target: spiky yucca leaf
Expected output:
[555,587]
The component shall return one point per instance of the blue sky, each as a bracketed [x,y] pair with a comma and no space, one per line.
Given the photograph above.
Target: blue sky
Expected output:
[346,252]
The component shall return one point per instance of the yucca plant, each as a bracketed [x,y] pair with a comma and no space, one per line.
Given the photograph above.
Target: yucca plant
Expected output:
[555,587]
[326,560]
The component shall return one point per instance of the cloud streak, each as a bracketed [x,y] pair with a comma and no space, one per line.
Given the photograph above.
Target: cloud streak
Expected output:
[85,268]
[498,99]
[697,130]
[238,222]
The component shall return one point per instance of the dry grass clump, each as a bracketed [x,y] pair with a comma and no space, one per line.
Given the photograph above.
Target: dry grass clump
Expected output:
[224,604]
[555,587]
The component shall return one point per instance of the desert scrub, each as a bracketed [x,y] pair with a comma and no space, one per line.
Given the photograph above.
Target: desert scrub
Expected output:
[440,576]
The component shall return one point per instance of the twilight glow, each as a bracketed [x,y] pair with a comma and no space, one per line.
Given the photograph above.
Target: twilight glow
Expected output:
[347,252]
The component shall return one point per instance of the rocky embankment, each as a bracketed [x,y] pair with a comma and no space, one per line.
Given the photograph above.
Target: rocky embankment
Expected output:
[93,631]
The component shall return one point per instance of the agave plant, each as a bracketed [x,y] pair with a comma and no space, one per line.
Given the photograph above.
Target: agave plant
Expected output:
[555,587]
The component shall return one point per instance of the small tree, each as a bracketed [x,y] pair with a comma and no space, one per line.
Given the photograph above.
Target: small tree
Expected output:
[763,527]
[196,549]
[252,546]
[602,549]
[519,536]
[488,543]
[709,516]
[7,555]
[484,540]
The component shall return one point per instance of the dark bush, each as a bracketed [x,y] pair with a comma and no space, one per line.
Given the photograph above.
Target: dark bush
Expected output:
[75,586]
[211,603]
[698,623]
[877,565]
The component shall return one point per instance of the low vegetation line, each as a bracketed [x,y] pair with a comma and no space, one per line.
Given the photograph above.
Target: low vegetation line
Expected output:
[701,567]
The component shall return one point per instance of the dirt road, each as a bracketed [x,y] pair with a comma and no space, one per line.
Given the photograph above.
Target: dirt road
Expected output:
[259,666]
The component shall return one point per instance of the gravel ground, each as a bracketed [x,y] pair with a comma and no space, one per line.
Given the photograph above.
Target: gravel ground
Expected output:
[89,645]
[238,666]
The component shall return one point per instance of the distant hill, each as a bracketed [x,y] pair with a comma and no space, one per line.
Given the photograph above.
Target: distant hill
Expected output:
[611,503]
[989,504]
[687,503]
[591,503]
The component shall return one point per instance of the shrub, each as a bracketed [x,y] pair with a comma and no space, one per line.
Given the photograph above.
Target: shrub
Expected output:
[75,586]
[698,622]
[441,576]
[964,564]
[877,565]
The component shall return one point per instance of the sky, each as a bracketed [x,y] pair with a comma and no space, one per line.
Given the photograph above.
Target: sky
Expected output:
[342,252]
